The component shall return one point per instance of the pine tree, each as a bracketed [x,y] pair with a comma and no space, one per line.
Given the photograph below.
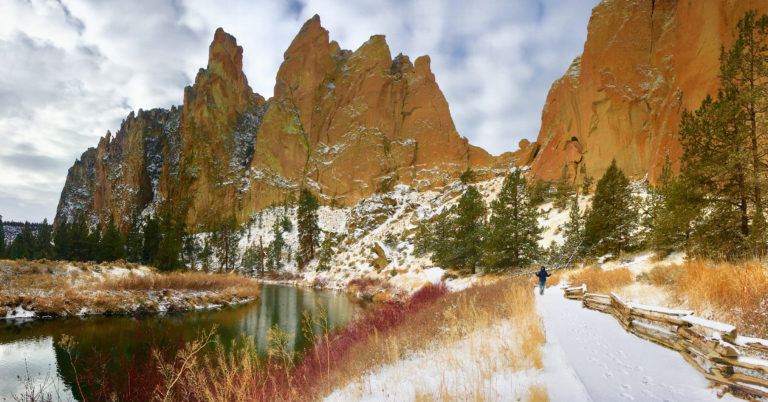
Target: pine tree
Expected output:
[468,225]
[671,206]
[724,149]
[587,181]
[326,253]
[24,245]
[2,239]
[190,250]
[225,238]
[169,248]
[309,231]
[206,253]
[151,241]
[436,237]
[134,240]
[62,242]
[539,192]
[563,188]
[573,234]
[93,245]
[744,79]
[44,248]
[275,249]
[612,219]
[112,243]
[251,260]
[468,176]
[513,229]
[80,247]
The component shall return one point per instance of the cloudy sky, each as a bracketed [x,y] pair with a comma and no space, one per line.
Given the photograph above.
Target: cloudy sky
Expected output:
[73,69]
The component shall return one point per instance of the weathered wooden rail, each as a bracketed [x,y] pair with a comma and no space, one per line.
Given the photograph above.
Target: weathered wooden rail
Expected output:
[736,363]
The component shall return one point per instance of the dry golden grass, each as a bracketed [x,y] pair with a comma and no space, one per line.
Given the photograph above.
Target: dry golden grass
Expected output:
[599,281]
[538,393]
[735,293]
[555,279]
[54,288]
[450,321]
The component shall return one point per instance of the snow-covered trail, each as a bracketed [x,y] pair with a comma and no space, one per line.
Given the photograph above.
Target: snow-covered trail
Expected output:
[589,357]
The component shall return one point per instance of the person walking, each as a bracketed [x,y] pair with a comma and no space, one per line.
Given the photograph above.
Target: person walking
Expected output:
[542,274]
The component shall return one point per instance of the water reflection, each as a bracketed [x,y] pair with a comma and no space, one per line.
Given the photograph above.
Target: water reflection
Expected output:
[116,350]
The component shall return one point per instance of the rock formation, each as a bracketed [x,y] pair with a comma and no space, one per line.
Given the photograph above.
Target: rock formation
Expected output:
[343,123]
[644,62]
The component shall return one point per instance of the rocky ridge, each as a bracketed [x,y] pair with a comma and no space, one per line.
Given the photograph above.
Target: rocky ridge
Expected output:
[346,124]
[644,62]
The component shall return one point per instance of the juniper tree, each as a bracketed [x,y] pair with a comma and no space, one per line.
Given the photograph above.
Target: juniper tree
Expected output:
[513,230]
[612,219]
[309,231]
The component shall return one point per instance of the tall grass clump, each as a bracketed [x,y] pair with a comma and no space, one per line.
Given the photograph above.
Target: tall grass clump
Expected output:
[737,293]
[600,281]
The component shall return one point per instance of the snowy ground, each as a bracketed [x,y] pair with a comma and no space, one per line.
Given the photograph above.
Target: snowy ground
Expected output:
[589,357]
[474,368]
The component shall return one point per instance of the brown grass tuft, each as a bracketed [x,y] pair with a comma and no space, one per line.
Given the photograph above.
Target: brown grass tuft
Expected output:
[735,293]
[52,288]
[538,393]
[599,281]
[555,279]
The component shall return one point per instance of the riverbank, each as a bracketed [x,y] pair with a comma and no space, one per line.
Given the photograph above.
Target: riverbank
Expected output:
[373,286]
[59,289]
[486,335]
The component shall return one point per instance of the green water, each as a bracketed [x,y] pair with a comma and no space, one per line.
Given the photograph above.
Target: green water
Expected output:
[115,349]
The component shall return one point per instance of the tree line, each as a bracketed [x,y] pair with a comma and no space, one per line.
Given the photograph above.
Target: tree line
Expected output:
[505,235]
[166,242]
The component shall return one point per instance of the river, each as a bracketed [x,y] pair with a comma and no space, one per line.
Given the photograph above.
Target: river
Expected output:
[115,349]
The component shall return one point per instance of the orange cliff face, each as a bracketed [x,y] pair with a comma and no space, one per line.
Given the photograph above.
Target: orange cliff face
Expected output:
[343,123]
[644,62]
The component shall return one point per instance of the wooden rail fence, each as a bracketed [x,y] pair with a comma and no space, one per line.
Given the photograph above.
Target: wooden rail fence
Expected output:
[736,363]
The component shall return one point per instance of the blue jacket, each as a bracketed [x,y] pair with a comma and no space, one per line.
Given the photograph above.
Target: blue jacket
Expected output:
[543,275]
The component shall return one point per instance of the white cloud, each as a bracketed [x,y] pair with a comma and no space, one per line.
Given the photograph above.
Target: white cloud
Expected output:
[73,69]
